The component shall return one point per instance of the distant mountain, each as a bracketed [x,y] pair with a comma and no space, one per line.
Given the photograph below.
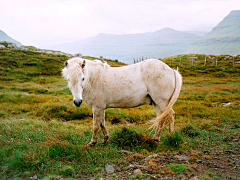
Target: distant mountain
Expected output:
[72,47]
[125,47]
[198,33]
[5,37]
[223,39]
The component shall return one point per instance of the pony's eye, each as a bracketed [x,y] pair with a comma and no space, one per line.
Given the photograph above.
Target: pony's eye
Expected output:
[83,79]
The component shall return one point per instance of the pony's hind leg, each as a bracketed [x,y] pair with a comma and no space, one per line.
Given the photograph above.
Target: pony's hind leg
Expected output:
[156,136]
[171,121]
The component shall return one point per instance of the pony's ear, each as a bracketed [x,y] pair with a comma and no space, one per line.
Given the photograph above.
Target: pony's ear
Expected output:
[66,63]
[83,64]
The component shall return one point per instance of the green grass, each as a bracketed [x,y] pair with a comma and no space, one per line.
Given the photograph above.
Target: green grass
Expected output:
[178,168]
[43,133]
[172,140]
[40,147]
[129,139]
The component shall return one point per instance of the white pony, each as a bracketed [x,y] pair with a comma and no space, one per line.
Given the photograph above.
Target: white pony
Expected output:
[101,86]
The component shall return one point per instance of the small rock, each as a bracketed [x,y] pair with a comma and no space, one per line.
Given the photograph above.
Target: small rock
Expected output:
[109,168]
[194,178]
[127,152]
[3,168]
[182,158]
[130,166]
[117,168]
[228,151]
[199,161]
[2,46]
[236,126]
[222,68]
[137,171]
[151,156]
[34,177]
[142,167]
[137,174]
[12,45]
[78,55]
[206,152]
[226,104]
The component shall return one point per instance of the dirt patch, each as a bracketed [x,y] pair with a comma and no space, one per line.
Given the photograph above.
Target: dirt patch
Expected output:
[195,164]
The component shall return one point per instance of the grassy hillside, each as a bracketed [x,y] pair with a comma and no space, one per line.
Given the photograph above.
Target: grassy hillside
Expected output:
[224,38]
[228,27]
[43,134]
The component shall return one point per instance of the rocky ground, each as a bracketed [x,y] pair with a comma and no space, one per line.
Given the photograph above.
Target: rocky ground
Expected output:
[195,165]
[192,164]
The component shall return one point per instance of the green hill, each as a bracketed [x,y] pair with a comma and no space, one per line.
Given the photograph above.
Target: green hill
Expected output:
[223,39]
[228,27]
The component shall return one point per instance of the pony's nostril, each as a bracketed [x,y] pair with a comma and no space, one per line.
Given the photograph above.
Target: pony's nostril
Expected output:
[77,102]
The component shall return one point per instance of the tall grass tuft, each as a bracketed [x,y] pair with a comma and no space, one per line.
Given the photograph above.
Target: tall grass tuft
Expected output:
[178,168]
[172,140]
[190,131]
[129,139]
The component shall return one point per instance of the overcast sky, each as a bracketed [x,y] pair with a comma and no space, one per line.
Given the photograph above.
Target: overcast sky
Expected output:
[45,22]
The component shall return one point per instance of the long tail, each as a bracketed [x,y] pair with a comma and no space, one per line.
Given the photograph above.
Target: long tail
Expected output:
[168,110]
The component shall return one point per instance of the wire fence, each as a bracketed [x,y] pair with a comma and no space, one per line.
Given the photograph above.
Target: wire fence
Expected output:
[198,60]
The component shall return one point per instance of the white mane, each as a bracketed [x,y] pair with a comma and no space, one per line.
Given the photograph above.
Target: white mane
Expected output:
[101,62]
[73,69]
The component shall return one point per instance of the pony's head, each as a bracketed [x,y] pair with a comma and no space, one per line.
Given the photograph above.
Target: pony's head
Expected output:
[74,73]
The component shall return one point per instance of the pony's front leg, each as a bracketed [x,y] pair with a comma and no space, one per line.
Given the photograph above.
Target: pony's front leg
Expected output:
[98,121]
[104,130]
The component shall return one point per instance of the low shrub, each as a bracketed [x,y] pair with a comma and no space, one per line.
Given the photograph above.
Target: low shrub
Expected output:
[172,140]
[178,168]
[67,170]
[190,131]
[129,139]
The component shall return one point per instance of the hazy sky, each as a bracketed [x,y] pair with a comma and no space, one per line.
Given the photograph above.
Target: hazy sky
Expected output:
[44,22]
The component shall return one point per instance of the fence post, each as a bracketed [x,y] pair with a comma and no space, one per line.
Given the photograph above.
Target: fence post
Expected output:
[205,61]
[171,60]
[233,62]
[180,61]
[216,61]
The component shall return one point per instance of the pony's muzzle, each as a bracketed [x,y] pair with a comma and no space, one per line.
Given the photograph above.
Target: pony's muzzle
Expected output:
[77,102]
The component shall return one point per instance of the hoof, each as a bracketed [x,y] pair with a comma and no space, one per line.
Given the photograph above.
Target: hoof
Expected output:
[156,139]
[105,140]
[92,144]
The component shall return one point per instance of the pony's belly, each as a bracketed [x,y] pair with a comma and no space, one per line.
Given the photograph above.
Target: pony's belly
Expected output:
[129,102]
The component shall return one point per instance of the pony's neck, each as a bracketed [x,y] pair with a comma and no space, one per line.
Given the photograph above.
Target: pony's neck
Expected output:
[92,74]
